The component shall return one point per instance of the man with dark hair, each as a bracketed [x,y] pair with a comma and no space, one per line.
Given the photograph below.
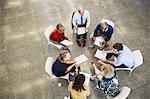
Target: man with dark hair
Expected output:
[123,56]
[58,34]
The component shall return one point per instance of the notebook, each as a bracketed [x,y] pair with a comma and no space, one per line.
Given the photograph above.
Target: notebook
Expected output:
[100,54]
[66,42]
[80,59]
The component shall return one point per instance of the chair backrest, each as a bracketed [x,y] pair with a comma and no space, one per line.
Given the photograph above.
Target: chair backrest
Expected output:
[48,65]
[108,22]
[124,93]
[48,31]
[138,58]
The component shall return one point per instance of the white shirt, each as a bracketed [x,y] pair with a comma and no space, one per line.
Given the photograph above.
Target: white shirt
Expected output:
[77,18]
[125,57]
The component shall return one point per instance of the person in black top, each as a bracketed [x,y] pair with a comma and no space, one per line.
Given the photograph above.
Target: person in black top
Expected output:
[63,65]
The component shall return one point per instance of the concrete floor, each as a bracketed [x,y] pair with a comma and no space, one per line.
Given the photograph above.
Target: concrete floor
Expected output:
[24,49]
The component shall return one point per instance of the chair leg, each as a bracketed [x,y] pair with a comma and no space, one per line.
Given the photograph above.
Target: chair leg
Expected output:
[49,47]
[130,73]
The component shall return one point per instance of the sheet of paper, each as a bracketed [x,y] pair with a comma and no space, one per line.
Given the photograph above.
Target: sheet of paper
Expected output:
[66,42]
[87,77]
[81,30]
[80,59]
[98,40]
[100,54]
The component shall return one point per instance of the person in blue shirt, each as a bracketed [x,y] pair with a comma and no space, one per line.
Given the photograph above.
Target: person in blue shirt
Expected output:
[103,29]
[63,65]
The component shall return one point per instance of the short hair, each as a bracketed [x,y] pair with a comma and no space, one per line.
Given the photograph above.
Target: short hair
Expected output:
[78,82]
[59,25]
[62,56]
[118,46]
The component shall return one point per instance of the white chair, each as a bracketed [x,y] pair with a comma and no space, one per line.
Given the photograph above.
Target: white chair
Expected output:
[138,60]
[48,69]
[124,93]
[47,33]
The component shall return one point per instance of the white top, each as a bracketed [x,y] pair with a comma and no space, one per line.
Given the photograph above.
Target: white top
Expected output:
[125,57]
[77,18]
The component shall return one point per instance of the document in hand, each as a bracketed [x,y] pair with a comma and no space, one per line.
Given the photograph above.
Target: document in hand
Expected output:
[66,42]
[81,30]
[100,54]
[80,59]
[99,40]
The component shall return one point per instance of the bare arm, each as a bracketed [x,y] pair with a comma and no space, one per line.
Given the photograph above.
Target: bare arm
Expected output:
[70,61]
[70,67]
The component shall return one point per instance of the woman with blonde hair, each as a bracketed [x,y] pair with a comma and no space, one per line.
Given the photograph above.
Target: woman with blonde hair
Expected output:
[108,80]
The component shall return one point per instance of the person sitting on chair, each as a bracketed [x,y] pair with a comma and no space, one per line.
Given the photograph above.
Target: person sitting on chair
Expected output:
[81,18]
[58,34]
[103,29]
[77,88]
[123,56]
[63,65]
[107,79]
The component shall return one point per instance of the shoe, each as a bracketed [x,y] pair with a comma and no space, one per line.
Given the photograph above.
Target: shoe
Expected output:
[79,44]
[91,46]
[84,43]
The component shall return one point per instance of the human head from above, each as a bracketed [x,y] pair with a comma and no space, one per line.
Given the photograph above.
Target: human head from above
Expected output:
[104,26]
[107,69]
[117,47]
[64,55]
[81,10]
[78,82]
[60,28]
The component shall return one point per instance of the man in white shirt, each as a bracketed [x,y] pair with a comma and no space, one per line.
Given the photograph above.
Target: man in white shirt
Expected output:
[81,19]
[123,56]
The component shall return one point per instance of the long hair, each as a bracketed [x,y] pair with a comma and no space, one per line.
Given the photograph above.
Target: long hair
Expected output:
[78,83]
[107,69]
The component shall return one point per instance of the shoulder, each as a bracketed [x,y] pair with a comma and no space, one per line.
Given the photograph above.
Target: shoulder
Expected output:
[76,13]
[70,85]
[87,87]
[110,27]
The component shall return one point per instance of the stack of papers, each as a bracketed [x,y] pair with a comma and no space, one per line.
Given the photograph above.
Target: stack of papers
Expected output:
[66,42]
[81,30]
[100,54]
[98,41]
[80,59]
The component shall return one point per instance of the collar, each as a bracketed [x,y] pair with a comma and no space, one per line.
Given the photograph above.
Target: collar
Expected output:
[105,29]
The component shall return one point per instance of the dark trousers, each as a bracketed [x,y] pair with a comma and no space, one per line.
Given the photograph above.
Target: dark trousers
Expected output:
[78,37]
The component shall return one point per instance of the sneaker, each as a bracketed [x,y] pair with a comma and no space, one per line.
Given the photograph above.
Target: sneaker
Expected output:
[91,46]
